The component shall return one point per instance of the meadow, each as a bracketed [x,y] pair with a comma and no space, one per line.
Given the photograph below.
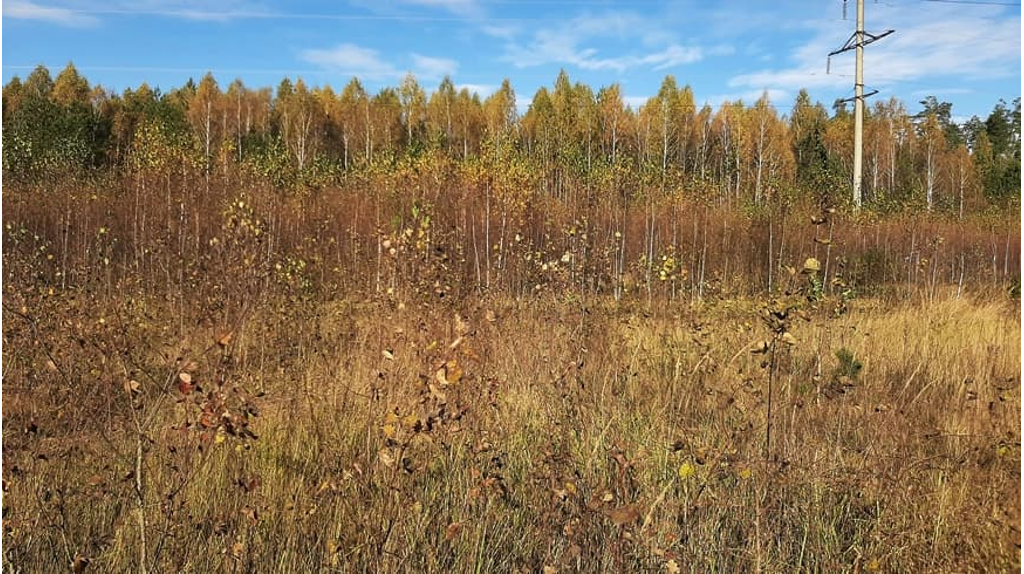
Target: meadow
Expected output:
[236,379]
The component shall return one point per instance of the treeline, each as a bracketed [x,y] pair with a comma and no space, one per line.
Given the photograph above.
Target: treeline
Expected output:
[570,136]
[209,196]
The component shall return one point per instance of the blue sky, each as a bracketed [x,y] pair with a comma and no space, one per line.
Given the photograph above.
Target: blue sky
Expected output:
[967,52]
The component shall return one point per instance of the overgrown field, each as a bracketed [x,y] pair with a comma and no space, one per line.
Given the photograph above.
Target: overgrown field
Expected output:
[506,436]
[239,381]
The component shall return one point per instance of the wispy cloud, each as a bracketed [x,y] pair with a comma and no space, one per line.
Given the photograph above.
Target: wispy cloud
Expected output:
[503,32]
[367,63]
[572,43]
[430,68]
[674,55]
[635,101]
[483,90]
[933,45]
[82,14]
[778,98]
[24,10]
[942,92]
[353,60]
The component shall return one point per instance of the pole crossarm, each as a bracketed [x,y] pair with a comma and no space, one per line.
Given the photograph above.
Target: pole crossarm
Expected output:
[857,41]
[855,98]
[852,43]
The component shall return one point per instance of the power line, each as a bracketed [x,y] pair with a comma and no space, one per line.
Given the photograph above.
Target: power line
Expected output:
[189,70]
[252,15]
[976,2]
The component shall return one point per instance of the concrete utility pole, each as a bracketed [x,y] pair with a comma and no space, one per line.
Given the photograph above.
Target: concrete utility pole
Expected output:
[858,110]
[857,42]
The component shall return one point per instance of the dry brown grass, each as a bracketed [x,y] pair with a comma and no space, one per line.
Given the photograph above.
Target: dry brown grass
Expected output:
[243,380]
[526,434]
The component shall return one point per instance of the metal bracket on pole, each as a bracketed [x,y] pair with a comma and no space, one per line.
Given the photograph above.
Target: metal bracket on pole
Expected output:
[857,41]
[852,43]
[854,98]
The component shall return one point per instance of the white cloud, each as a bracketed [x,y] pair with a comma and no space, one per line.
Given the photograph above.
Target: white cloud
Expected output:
[778,98]
[503,32]
[942,92]
[570,43]
[635,101]
[941,42]
[674,55]
[483,90]
[89,13]
[722,50]
[24,10]
[351,60]
[433,68]
[367,63]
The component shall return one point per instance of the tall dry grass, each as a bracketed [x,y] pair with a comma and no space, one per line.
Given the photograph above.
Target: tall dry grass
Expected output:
[240,379]
[558,432]
[181,238]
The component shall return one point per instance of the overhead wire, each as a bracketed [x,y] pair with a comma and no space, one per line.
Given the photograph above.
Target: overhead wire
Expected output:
[246,14]
[976,2]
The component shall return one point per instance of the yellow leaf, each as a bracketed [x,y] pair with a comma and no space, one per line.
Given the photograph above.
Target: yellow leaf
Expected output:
[745,473]
[672,567]
[454,373]
[570,487]
[389,430]
[812,265]
[449,373]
